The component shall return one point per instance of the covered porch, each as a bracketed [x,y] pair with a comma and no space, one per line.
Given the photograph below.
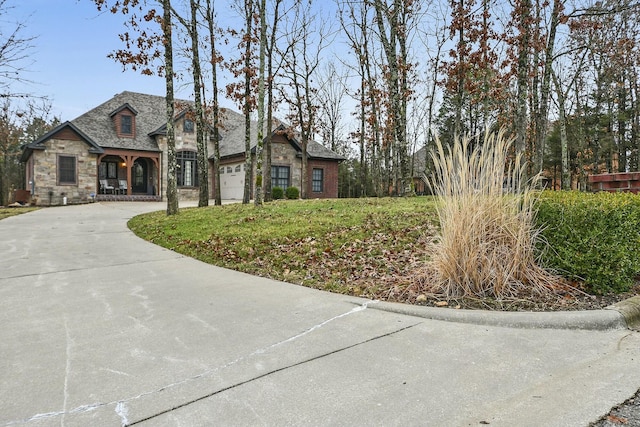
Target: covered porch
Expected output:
[127,198]
[125,175]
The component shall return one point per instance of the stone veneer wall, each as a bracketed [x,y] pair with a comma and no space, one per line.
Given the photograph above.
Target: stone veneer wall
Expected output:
[45,174]
[283,154]
[184,141]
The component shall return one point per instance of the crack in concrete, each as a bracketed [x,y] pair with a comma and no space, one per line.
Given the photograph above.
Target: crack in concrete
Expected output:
[123,412]
[96,267]
[120,405]
[268,374]
[67,371]
[47,415]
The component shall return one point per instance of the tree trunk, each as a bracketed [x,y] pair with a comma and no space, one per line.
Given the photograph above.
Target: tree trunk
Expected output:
[203,156]
[259,143]
[216,108]
[270,47]
[522,81]
[564,143]
[172,188]
[542,118]
[396,81]
[266,180]
[247,101]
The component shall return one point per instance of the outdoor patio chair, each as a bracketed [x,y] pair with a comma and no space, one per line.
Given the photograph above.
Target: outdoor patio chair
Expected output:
[122,186]
[104,186]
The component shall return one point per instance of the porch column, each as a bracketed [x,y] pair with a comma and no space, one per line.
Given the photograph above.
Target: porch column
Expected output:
[156,164]
[100,157]
[129,162]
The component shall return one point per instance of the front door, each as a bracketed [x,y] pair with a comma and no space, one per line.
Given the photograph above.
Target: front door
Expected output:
[139,175]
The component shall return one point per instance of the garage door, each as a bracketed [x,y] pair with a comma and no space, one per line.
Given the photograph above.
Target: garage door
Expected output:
[232,182]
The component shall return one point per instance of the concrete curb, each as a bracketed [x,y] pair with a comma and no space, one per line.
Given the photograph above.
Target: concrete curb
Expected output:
[623,315]
[630,311]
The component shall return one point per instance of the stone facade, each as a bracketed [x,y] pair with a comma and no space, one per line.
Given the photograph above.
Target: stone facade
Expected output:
[124,139]
[283,154]
[44,182]
[185,141]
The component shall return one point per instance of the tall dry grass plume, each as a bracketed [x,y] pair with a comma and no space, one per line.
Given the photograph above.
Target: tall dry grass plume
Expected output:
[486,243]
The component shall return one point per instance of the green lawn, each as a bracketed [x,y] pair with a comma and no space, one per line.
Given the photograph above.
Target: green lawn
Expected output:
[7,212]
[364,247]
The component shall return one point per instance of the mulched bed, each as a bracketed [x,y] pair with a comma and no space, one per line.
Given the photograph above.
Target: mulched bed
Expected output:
[570,299]
[563,302]
[625,414]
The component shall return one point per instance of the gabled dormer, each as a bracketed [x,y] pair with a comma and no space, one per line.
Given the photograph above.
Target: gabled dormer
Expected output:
[124,121]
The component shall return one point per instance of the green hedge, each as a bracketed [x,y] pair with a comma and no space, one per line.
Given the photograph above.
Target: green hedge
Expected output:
[594,237]
[292,193]
[277,193]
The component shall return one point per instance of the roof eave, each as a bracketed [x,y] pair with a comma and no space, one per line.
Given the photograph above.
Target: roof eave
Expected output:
[35,145]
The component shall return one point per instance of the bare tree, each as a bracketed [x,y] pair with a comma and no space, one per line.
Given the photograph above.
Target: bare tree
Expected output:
[331,99]
[191,27]
[144,45]
[354,20]
[262,6]
[272,71]
[394,24]
[541,108]
[14,53]
[215,60]
[172,183]
[433,38]
[299,69]
[248,99]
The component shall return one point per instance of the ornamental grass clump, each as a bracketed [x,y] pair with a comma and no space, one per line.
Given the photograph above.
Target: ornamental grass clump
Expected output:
[486,243]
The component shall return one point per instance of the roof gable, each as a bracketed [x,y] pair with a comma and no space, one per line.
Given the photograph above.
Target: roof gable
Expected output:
[125,106]
[61,128]
[149,112]
[67,126]
[315,150]
[162,130]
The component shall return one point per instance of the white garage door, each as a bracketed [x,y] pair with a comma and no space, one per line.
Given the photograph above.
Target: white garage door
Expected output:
[232,182]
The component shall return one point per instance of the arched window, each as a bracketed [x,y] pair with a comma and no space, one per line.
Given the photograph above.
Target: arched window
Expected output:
[187,171]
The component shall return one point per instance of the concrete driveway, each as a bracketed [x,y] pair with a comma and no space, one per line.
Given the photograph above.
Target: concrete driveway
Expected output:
[100,328]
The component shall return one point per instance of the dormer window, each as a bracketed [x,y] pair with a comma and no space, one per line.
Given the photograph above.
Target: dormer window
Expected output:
[126,124]
[124,121]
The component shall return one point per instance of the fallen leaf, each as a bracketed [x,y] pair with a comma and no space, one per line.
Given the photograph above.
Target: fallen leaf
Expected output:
[442,304]
[617,420]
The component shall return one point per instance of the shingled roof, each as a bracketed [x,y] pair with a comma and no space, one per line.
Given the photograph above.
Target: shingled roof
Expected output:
[98,124]
[38,144]
[419,162]
[150,110]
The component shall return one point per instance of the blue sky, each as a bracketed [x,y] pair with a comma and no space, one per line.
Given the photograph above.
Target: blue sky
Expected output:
[70,64]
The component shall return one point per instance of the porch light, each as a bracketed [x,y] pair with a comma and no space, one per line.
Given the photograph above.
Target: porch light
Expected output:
[123,164]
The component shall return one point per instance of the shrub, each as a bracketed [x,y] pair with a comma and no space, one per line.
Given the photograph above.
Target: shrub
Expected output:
[277,193]
[593,237]
[292,193]
[486,243]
